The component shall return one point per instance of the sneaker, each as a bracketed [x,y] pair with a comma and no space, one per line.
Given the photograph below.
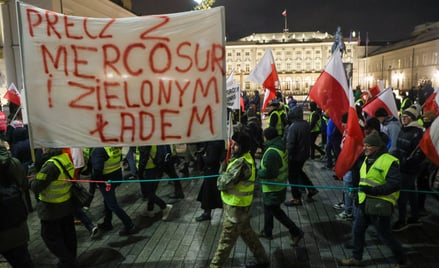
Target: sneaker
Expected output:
[147,213]
[344,216]
[338,205]
[263,234]
[128,231]
[94,232]
[312,192]
[204,217]
[166,212]
[293,202]
[413,222]
[104,227]
[349,262]
[296,239]
[399,226]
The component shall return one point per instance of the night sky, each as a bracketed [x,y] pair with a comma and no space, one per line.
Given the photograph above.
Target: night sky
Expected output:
[384,20]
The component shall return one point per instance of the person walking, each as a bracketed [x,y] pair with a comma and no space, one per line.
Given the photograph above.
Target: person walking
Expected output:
[410,157]
[237,188]
[209,195]
[298,143]
[274,169]
[106,165]
[14,232]
[379,175]
[55,206]
[147,170]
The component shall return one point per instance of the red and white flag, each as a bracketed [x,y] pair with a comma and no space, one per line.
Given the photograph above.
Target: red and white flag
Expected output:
[429,143]
[330,91]
[353,141]
[432,103]
[265,73]
[284,13]
[13,95]
[384,100]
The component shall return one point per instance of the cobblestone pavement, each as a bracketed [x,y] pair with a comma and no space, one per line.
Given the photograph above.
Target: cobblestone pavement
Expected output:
[182,242]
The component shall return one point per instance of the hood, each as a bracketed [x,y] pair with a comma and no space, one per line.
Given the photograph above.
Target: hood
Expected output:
[296,113]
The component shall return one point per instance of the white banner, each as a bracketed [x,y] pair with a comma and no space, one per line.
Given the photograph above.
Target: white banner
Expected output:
[133,81]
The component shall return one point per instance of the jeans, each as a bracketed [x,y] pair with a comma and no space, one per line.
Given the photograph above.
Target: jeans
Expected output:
[131,161]
[149,188]
[407,183]
[347,195]
[85,220]
[111,205]
[279,214]
[296,175]
[383,227]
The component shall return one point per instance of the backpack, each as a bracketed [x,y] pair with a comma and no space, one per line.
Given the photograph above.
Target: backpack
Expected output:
[12,208]
[163,155]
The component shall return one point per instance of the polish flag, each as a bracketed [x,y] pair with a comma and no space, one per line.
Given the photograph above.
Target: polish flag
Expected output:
[432,103]
[13,95]
[384,100]
[284,13]
[330,91]
[353,140]
[265,73]
[429,143]
[375,90]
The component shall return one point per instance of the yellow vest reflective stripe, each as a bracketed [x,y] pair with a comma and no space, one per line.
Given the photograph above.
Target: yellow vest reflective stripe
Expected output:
[242,193]
[316,127]
[113,162]
[403,105]
[377,176]
[283,173]
[150,163]
[58,191]
[279,126]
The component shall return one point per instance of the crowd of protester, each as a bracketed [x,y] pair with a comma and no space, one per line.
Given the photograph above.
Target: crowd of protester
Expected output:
[282,147]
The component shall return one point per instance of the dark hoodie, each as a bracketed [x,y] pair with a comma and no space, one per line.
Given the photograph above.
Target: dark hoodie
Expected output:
[298,140]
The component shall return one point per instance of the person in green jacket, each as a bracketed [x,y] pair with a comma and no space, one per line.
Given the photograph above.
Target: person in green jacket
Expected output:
[274,171]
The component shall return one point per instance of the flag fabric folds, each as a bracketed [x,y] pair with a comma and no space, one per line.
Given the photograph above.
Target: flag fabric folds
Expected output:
[265,73]
[429,143]
[353,140]
[432,103]
[384,100]
[13,95]
[284,13]
[330,91]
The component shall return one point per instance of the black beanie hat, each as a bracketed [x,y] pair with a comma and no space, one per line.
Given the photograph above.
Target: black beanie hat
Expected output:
[373,139]
[270,133]
[381,112]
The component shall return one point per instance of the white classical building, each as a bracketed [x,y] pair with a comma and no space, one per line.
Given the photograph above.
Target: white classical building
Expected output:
[300,57]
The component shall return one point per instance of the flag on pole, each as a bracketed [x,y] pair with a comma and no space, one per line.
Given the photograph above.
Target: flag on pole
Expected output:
[232,93]
[352,145]
[330,91]
[383,100]
[429,143]
[13,95]
[284,13]
[265,73]
[432,103]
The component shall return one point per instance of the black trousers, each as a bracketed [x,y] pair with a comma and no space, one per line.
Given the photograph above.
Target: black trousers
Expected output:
[19,257]
[276,211]
[60,238]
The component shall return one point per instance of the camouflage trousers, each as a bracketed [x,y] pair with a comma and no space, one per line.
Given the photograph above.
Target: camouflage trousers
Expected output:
[230,233]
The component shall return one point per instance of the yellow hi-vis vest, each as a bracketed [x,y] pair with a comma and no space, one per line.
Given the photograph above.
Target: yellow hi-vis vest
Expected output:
[113,162]
[283,173]
[279,125]
[377,176]
[58,190]
[317,126]
[150,163]
[241,195]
